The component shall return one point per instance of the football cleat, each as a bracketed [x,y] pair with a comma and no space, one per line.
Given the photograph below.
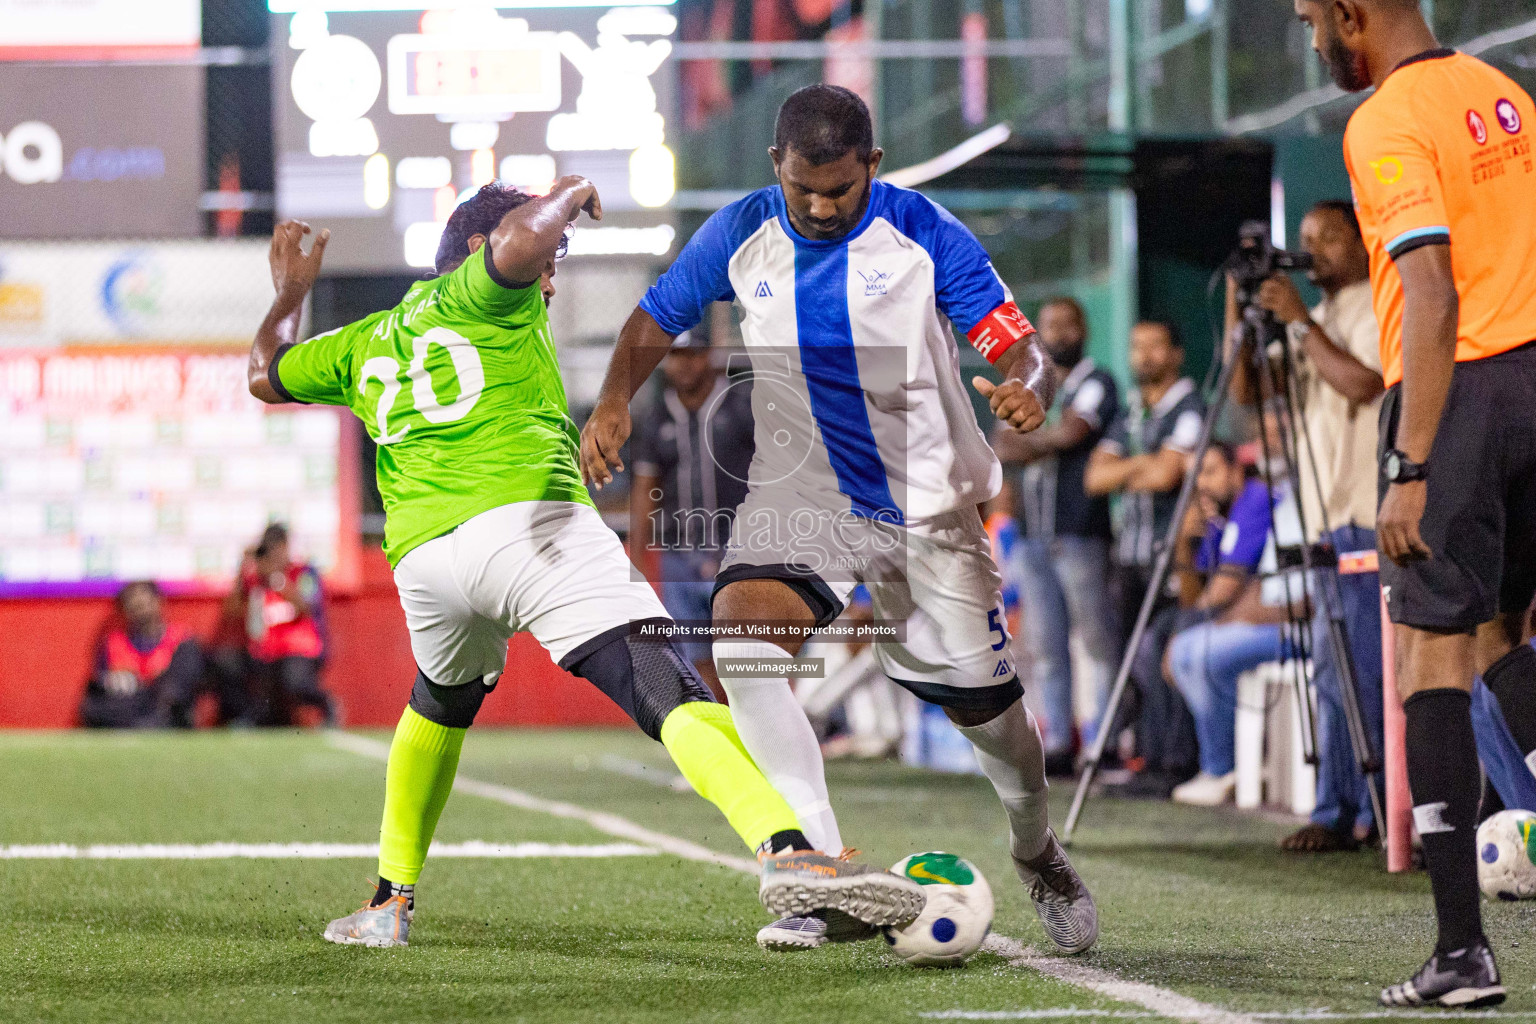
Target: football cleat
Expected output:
[796,883]
[814,929]
[1465,979]
[1065,908]
[384,925]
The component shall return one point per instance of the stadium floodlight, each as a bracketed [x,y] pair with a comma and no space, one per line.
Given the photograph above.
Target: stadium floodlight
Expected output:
[533,171]
[293,6]
[588,241]
[652,175]
[421,241]
[376,181]
[423,172]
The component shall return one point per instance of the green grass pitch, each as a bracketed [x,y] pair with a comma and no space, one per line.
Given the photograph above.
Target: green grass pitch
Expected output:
[1197,902]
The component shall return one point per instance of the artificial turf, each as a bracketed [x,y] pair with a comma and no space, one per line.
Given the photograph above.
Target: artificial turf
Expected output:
[1200,902]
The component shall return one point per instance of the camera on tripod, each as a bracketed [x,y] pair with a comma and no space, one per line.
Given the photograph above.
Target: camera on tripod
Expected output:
[1256,259]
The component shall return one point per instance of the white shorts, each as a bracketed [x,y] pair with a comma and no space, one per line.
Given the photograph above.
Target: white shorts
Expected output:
[550,568]
[933,579]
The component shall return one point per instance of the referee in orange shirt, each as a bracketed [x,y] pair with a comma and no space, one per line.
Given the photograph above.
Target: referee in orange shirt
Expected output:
[1441,162]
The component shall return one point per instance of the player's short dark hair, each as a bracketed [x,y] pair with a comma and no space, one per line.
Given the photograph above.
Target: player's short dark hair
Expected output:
[1070,303]
[479,215]
[1168,327]
[1226,449]
[1344,208]
[275,533]
[822,123]
[127,588]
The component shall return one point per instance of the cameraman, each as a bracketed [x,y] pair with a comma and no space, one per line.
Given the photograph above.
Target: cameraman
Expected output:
[1336,384]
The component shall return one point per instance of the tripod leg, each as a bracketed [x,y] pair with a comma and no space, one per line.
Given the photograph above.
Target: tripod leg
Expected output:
[1160,571]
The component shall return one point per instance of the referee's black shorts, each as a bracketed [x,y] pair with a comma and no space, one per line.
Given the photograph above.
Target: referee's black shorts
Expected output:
[1480,513]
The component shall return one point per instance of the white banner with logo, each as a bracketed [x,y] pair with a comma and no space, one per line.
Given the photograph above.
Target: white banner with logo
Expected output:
[74,293]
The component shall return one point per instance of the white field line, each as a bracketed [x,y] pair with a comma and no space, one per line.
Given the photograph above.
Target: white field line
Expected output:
[310,851]
[1159,1000]
[644,772]
[612,824]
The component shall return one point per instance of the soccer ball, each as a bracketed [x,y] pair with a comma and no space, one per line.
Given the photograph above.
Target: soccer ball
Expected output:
[1506,856]
[955,919]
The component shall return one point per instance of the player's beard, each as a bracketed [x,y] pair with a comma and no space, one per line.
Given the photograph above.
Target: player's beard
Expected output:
[1348,69]
[836,227]
[1066,356]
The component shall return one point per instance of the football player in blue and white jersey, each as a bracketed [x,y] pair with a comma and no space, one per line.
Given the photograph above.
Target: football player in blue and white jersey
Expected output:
[869,468]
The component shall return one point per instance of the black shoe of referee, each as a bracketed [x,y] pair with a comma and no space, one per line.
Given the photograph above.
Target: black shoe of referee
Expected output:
[1466,978]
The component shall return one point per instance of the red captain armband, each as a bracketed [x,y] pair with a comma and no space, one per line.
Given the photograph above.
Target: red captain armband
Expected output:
[998,330]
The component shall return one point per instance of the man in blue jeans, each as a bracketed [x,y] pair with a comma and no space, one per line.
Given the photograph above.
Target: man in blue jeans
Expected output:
[1062,563]
[1335,353]
[1228,631]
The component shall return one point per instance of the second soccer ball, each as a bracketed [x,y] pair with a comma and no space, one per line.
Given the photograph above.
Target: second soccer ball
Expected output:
[1506,856]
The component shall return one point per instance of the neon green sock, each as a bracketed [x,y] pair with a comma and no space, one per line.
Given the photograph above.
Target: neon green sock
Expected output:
[423,760]
[701,737]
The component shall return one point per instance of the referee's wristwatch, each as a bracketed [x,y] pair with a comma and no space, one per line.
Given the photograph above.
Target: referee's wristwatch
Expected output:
[1400,469]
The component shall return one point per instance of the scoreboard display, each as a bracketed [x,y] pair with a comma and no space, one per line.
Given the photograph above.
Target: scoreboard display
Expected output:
[386,116]
[444,74]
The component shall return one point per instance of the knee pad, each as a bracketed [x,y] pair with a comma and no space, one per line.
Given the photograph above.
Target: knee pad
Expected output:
[454,707]
[646,676]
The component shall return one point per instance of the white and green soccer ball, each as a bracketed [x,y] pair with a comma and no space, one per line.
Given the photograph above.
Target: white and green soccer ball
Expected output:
[955,919]
[1506,856]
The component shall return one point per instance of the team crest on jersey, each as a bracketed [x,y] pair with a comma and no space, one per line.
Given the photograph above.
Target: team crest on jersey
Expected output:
[763,291]
[874,281]
[1509,117]
[1477,127]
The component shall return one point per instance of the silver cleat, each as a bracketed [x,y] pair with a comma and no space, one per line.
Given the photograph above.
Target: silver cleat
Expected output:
[1061,900]
[815,929]
[388,924]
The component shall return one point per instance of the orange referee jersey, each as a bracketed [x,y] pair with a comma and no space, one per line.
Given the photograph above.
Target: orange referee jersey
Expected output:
[1442,153]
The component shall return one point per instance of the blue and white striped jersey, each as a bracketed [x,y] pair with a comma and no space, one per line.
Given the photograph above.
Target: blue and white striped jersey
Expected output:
[858,400]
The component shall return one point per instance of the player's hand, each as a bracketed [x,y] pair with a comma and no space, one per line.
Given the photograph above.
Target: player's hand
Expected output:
[588,201]
[605,433]
[1397,523]
[1012,402]
[1279,296]
[293,270]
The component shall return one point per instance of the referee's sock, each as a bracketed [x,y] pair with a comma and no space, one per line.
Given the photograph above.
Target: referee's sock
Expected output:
[1444,777]
[1513,680]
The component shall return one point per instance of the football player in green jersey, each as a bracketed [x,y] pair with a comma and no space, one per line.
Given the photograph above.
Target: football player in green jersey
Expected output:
[490,532]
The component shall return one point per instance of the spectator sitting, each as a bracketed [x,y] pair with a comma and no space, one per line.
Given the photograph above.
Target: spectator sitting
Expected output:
[283,606]
[1232,631]
[147,670]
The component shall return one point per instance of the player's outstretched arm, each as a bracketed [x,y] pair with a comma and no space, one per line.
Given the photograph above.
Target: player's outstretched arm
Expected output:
[1027,388]
[641,348]
[293,274]
[528,236]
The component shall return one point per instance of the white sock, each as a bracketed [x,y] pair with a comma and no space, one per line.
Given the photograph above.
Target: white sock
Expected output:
[779,737]
[1013,758]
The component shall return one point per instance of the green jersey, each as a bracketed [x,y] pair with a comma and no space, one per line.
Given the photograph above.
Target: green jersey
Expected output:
[460,388]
